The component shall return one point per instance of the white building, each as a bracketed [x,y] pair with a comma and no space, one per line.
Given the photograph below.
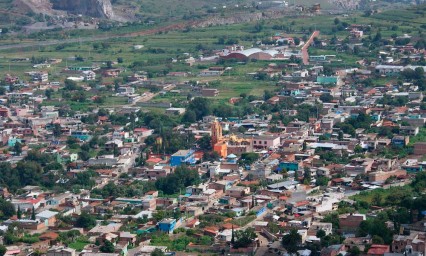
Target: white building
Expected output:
[89,75]
[266,142]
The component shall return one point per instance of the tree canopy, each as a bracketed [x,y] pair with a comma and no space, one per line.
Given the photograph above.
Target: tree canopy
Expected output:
[292,241]
[86,221]
[179,180]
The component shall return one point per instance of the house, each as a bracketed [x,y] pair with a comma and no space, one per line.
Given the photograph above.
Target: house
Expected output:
[175,111]
[315,226]
[420,148]
[127,238]
[158,172]
[225,235]
[266,141]
[126,90]
[388,70]
[238,191]
[114,72]
[208,73]
[35,225]
[378,250]
[415,239]
[381,176]
[261,171]
[81,135]
[143,132]
[324,80]
[4,112]
[167,225]
[48,217]
[27,204]
[400,140]
[289,166]
[104,229]
[113,144]
[89,75]
[351,222]
[227,200]
[40,76]
[333,250]
[61,251]
[182,157]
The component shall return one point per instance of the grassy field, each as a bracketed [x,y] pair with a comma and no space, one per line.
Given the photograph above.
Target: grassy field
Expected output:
[367,196]
[79,246]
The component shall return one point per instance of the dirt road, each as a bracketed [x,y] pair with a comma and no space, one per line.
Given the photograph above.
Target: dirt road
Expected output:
[305,54]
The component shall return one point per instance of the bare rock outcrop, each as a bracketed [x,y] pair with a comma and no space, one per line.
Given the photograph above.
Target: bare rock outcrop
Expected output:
[93,8]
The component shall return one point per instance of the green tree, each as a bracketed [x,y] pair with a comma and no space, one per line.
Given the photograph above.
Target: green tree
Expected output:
[57,130]
[17,148]
[19,213]
[86,221]
[326,97]
[7,209]
[248,158]
[157,252]
[70,85]
[48,93]
[377,240]
[178,181]
[377,199]
[322,181]
[375,227]
[244,238]
[340,136]
[107,247]
[189,117]
[292,241]
[307,175]
[354,251]
[33,215]
[201,107]
[3,250]
[320,233]
[205,143]
[332,218]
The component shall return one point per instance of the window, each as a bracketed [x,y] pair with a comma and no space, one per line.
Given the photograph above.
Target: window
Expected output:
[254,142]
[264,142]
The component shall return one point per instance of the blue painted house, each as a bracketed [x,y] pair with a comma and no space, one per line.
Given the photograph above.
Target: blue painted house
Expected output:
[260,211]
[182,157]
[400,141]
[167,225]
[327,79]
[289,166]
[12,141]
[413,168]
[81,135]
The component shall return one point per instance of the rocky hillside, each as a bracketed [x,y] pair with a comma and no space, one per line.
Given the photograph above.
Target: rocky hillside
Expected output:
[93,8]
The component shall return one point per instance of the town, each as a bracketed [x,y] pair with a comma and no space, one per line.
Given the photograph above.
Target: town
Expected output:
[284,139]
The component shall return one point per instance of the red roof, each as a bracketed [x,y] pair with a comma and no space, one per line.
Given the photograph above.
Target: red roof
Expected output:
[229,226]
[154,160]
[301,203]
[49,236]
[142,129]
[378,249]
